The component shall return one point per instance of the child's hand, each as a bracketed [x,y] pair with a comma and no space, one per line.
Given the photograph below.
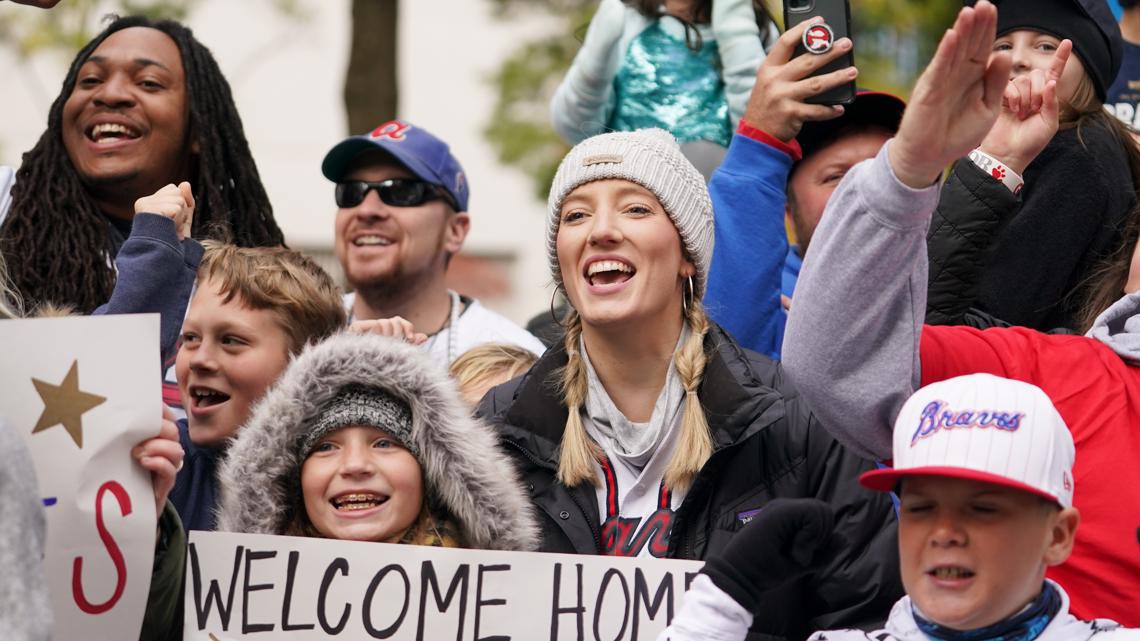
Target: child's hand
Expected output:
[778,104]
[394,327]
[162,457]
[174,202]
[1029,114]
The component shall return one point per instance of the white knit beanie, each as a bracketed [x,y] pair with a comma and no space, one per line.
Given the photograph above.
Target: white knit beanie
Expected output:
[651,158]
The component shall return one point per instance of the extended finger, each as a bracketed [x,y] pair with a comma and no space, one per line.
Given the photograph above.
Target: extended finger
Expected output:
[161,448]
[361,327]
[159,466]
[816,85]
[983,31]
[785,46]
[943,61]
[1060,59]
[407,329]
[168,430]
[963,31]
[813,113]
[807,64]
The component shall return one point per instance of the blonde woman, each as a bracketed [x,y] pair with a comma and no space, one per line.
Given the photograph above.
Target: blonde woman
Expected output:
[651,432]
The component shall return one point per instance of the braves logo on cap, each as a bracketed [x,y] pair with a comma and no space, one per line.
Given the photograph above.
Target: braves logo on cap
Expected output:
[392,130]
[819,38]
[937,416]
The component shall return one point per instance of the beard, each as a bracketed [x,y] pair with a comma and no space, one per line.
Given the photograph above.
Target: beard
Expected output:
[402,282]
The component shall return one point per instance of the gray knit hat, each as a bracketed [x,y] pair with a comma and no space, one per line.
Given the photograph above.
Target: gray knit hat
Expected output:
[360,405]
[652,159]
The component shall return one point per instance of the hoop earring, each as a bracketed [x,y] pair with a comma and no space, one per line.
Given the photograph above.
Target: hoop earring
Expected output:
[687,298]
[554,316]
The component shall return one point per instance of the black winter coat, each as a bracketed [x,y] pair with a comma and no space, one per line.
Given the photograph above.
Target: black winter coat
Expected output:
[1022,259]
[767,445]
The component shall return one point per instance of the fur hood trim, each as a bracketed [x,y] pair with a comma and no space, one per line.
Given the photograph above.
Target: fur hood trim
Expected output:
[463,467]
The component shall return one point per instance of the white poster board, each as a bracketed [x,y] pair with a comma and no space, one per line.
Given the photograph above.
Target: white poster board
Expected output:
[277,588]
[83,391]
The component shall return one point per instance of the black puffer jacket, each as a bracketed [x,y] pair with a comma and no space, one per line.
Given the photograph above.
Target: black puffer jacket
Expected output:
[767,445]
[1023,259]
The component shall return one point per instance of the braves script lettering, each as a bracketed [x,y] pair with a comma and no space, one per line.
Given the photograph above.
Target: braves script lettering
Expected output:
[937,416]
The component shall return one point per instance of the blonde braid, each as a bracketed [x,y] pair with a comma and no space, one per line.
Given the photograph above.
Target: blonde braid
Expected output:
[578,451]
[695,446]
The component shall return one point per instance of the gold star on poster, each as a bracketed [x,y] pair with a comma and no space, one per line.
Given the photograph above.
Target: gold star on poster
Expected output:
[65,405]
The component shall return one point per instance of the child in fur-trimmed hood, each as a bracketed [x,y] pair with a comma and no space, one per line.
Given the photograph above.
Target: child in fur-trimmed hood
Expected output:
[365,438]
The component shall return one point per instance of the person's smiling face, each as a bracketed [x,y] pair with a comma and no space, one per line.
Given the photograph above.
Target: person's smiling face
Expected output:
[228,357]
[360,484]
[125,123]
[620,254]
[1031,50]
[391,247]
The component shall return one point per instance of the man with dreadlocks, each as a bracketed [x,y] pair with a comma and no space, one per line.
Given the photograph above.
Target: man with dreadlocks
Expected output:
[143,105]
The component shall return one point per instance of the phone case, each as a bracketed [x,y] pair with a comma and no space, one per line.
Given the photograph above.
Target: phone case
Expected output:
[836,15]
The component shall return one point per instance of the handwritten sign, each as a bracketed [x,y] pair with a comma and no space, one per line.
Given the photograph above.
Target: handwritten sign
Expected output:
[82,391]
[256,586]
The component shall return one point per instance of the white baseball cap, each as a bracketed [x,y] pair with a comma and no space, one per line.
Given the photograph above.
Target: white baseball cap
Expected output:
[984,428]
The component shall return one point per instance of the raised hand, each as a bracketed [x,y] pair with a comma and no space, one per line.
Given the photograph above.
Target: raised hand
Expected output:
[955,101]
[777,104]
[175,202]
[162,457]
[1029,116]
[394,327]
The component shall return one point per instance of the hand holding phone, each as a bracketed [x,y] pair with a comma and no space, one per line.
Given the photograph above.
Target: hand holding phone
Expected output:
[820,39]
[781,97]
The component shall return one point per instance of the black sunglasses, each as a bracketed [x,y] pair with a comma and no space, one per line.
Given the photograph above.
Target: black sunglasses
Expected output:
[395,192]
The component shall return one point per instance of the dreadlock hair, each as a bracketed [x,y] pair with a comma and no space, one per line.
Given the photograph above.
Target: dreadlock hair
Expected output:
[55,239]
[578,451]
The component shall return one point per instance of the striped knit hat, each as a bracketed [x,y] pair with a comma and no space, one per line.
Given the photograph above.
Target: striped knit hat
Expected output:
[651,158]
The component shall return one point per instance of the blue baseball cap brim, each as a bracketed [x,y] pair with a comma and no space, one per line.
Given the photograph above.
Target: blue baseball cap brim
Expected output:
[410,153]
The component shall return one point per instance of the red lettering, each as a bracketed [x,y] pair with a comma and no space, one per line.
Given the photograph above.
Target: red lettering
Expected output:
[393,129]
[112,550]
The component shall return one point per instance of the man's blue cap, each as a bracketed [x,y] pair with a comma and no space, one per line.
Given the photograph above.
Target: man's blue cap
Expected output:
[426,156]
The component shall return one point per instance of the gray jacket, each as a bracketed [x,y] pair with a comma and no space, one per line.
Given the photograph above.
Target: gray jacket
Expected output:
[462,465]
[852,341]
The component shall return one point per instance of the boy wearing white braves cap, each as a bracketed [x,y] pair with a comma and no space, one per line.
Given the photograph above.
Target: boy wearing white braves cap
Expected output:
[983,468]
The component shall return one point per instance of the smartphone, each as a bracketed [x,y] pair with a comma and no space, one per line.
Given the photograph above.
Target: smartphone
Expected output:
[837,18]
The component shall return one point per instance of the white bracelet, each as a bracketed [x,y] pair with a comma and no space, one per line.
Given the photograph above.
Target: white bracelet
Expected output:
[998,170]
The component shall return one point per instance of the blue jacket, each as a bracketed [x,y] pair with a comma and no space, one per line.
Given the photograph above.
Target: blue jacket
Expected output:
[155,274]
[748,265]
[195,492]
